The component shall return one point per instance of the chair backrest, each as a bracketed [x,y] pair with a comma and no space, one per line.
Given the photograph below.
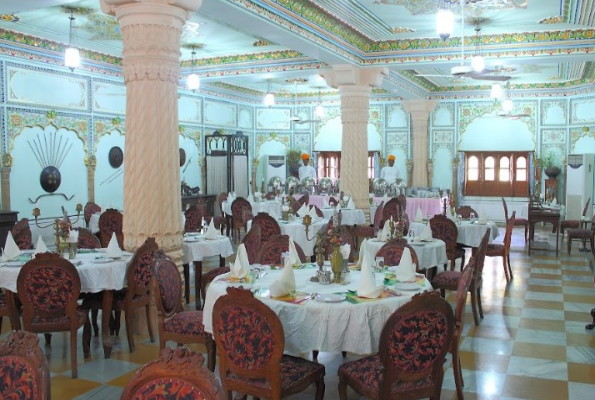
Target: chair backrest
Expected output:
[241,320]
[445,230]
[48,287]
[90,209]
[138,274]
[177,374]
[270,251]
[21,232]
[252,242]
[414,342]
[462,290]
[378,217]
[304,199]
[87,240]
[332,202]
[505,207]
[586,207]
[391,208]
[239,207]
[268,226]
[270,196]
[509,228]
[403,201]
[465,211]
[392,251]
[480,255]
[319,212]
[24,371]
[110,221]
[193,217]
[346,238]
[167,285]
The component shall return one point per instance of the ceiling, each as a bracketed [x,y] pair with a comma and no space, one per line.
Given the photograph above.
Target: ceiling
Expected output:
[247,45]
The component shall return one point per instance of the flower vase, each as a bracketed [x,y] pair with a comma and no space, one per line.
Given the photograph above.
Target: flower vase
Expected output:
[285,215]
[63,246]
[336,264]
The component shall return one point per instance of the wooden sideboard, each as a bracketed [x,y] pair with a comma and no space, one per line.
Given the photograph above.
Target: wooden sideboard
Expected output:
[209,199]
[7,221]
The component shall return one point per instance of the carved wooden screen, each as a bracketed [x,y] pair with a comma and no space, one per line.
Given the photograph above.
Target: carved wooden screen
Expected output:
[227,163]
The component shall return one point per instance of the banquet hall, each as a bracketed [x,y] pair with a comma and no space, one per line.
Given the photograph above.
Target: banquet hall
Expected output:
[125,129]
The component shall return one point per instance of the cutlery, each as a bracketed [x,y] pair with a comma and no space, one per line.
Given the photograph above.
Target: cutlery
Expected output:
[304,299]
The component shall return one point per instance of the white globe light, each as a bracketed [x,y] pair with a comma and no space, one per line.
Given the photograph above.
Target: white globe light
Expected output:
[444,23]
[478,63]
[496,92]
[193,82]
[319,111]
[269,99]
[507,105]
[72,58]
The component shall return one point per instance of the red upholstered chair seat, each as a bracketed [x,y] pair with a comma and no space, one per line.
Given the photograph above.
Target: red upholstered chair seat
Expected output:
[494,250]
[363,231]
[447,280]
[186,323]
[293,371]
[50,323]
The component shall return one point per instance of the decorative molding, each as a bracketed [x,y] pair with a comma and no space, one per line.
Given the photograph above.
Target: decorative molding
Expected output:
[547,105]
[553,136]
[262,138]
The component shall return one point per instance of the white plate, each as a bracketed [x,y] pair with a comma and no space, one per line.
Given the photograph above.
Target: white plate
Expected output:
[417,244]
[14,264]
[407,286]
[216,238]
[191,239]
[192,234]
[102,260]
[330,298]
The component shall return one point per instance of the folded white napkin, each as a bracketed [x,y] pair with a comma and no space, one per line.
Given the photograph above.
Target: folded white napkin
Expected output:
[367,284]
[286,282]
[483,217]
[351,204]
[555,202]
[73,236]
[345,250]
[40,247]
[230,197]
[426,234]
[303,211]
[212,232]
[406,269]
[384,234]
[325,202]
[294,257]
[338,207]
[241,267]
[418,216]
[312,213]
[113,249]
[11,250]
[362,252]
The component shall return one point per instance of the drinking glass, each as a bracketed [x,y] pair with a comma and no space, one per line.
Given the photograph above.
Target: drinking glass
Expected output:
[472,216]
[379,266]
[255,272]
[284,257]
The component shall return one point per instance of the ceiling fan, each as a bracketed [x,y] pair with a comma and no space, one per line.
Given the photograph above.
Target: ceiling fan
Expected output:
[296,118]
[467,71]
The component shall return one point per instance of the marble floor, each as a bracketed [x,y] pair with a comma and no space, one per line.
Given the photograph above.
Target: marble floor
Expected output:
[532,343]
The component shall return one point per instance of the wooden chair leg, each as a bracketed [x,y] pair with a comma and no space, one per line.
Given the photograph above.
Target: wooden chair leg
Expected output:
[456,368]
[149,323]
[187,282]
[197,284]
[509,267]
[129,334]
[474,306]
[479,307]
[94,316]
[505,268]
[526,232]
[211,354]
[73,363]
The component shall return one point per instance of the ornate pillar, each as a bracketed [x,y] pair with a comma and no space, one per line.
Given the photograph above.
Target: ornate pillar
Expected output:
[91,164]
[151,31]
[5,181]
[455,183]
[420,112]
[355,87]
[409,167]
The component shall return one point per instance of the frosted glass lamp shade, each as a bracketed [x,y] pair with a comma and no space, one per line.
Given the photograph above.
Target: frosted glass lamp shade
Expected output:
[319,111]
[444,23]
[72,58]
[496,92]
[478,63]
[507,105]
[269,99]
[193,82]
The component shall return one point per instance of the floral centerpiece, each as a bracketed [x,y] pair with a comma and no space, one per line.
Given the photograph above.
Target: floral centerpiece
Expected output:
[63,227]
[340,250]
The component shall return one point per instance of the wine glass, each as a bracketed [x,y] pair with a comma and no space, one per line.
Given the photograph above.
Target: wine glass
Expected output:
[379,266]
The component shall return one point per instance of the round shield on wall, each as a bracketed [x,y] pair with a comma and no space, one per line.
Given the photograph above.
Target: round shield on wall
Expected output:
[115,157]
[50,179]
[182,157]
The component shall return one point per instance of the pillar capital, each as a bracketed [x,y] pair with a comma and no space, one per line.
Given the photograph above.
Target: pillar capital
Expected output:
[348,75]
[111,7]
[420,107]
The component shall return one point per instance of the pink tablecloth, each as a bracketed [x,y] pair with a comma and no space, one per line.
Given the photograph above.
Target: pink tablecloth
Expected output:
[428,206]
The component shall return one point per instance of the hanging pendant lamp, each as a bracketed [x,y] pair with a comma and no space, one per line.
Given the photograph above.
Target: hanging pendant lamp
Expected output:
[72,58]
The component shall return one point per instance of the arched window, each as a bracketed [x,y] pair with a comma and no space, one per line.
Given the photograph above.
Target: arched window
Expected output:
[521,169]
[504,170]
[489,169]
[473,168]
[497,174]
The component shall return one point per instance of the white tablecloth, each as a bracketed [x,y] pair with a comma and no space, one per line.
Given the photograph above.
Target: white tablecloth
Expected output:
[470,233]
[297,231]
[348,217]
[196,248]
[314,325]
[428,206]
[96,274]
[429,254]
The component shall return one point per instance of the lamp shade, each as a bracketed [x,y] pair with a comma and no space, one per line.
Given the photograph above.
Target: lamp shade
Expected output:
[193,82]
[496,92]
[72,58]
[507,105]
[269,99]
[319,111]
[444,23]
[478,63]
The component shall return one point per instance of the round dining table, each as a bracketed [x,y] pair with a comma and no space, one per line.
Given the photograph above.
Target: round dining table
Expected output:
[348,216]
[328,318]
[429,254]
[469,232]
[97,272]
[296,230]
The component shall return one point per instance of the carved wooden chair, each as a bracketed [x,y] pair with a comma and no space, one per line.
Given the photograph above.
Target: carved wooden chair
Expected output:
[304,199]
[346,238]
[174,323]
[392,208]
[49,287]
[268,226]
[220,223]
[9,309]
[403,201]
[465,212]
[447,231]
[90,209]
[573,223]
[176,374]
[582,234]
[136,294]
[519,221]
[332,202]
[462,289]
[24,371]
[409,364]
[193,217]
[271,250]
[87,240]
[21,233]
[240,210]
[111,221]
[449,280]
[392,251]
[270,196]
[503,250]
[260,369]
[368,230]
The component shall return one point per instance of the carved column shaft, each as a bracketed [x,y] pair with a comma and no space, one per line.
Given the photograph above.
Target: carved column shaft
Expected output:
[420,112]
[5,187]
[91,179]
